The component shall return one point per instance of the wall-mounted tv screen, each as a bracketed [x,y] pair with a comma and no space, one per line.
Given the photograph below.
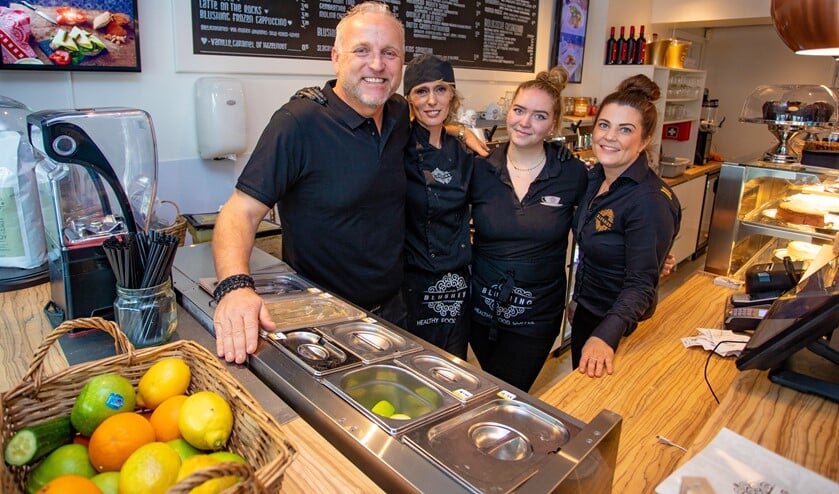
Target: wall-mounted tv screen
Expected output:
[85,35]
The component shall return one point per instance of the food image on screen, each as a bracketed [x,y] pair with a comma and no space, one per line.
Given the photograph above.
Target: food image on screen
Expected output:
[69,35]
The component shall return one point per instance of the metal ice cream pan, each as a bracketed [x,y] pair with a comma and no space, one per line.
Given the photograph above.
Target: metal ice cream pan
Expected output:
[281,284]
[494,447]
[370,341]
[462,384]
[393,397]
[312,351]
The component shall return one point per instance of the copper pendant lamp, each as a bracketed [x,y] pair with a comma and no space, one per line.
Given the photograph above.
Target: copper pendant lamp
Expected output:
[808,27]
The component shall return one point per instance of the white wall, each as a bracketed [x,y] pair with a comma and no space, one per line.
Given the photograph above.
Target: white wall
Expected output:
[707,13]
[739,60]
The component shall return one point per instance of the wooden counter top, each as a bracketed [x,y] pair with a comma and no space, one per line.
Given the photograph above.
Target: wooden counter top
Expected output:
[693,172]
[658,388]
[319,467]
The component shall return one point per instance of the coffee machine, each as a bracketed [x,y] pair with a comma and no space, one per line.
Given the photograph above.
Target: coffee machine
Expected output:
[97,179]
[707,126]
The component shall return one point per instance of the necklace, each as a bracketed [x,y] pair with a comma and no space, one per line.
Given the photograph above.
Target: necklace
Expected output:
[525,169]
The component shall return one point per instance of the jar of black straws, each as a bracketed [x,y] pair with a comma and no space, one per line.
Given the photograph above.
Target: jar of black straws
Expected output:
[145,307]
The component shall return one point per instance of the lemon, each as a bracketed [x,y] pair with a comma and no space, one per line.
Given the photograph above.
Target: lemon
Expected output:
[200,462]
[206,420]
[67,459]
[101,397]
[228,456]
[164,379]
[152,469]
[184,449]
[400,416]
[383,408]
[107,482]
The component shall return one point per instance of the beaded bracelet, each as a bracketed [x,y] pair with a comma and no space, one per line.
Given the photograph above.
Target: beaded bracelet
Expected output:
[231,283]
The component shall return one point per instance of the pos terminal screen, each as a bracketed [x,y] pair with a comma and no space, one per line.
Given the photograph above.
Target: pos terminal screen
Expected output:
[803,314]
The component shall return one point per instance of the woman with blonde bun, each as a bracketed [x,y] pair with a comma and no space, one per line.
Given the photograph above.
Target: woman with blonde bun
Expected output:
[523,199]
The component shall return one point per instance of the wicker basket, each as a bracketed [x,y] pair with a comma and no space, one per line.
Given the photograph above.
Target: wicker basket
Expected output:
[256,435]
[178,227]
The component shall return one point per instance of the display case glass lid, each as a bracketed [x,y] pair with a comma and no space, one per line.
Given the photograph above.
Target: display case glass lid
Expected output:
[791,104]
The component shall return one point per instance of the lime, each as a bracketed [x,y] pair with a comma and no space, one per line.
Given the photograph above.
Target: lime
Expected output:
[108,482]
[184,449]
[400,416]
[206,420]
[67,459]
[383,408]
[101,397]
[152,469]
[200,462]
[164,379]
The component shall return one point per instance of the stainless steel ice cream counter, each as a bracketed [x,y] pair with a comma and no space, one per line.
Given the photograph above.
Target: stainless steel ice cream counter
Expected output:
[413,417]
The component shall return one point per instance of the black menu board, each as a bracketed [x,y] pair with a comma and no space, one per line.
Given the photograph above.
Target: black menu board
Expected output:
[475,34]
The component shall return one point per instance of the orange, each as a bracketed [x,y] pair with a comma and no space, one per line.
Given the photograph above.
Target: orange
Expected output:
[116,438]
[70,483]
[164,419]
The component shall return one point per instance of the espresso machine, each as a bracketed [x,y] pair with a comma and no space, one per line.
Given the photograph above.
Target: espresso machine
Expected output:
[97,178]
[707,126]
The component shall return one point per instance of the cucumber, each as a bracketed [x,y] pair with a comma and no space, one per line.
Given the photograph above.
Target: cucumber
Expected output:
[33,442]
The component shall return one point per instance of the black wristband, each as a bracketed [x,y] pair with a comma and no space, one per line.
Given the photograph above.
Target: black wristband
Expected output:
[231,283]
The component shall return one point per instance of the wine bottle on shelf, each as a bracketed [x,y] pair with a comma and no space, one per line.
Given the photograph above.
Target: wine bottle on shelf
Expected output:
[641,48]
[621,44]
[611,48]
[630,46]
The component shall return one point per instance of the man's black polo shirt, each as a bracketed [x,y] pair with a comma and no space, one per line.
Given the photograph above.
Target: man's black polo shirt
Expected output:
[341,189]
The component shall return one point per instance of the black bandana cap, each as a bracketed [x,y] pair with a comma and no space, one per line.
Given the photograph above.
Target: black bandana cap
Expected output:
[427,68]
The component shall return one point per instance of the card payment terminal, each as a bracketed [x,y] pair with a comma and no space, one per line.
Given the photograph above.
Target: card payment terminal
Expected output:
[740,319]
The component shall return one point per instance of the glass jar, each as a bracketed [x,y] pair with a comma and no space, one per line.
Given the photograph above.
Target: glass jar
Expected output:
[147,316]
[581,106]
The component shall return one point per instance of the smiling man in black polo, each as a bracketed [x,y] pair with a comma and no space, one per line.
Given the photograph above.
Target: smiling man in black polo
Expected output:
[336,169]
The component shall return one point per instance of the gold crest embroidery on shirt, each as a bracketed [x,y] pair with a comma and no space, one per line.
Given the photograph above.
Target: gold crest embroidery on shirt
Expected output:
[604,220]
[667,192]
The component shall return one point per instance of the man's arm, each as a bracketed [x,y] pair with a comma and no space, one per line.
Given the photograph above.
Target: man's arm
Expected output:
[240,311]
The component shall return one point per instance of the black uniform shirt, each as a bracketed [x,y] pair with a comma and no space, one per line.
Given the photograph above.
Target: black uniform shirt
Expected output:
[535,227]
[437,238]
[341,189]
[624,236]
[523,243]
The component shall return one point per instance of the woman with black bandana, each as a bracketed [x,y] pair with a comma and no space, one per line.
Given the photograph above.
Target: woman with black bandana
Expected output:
[437,248]
[523,200]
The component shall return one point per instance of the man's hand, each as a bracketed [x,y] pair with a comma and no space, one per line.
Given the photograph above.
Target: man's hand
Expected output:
[313,93]
[669,264]
[469,138]
[236,321]
[597,356]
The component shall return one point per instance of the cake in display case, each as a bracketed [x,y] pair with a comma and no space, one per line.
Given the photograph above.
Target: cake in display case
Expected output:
[767,211]
[789,110]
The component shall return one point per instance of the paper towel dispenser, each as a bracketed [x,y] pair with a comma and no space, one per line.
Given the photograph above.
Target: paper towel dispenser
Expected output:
[220,117]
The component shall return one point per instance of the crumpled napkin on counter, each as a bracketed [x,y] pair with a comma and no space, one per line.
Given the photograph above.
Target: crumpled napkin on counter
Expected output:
[710,338]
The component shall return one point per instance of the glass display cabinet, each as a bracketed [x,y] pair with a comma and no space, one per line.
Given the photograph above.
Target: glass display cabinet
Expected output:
[766,211]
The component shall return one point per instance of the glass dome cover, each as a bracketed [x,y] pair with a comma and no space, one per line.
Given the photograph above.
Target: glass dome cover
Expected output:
[791,104]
